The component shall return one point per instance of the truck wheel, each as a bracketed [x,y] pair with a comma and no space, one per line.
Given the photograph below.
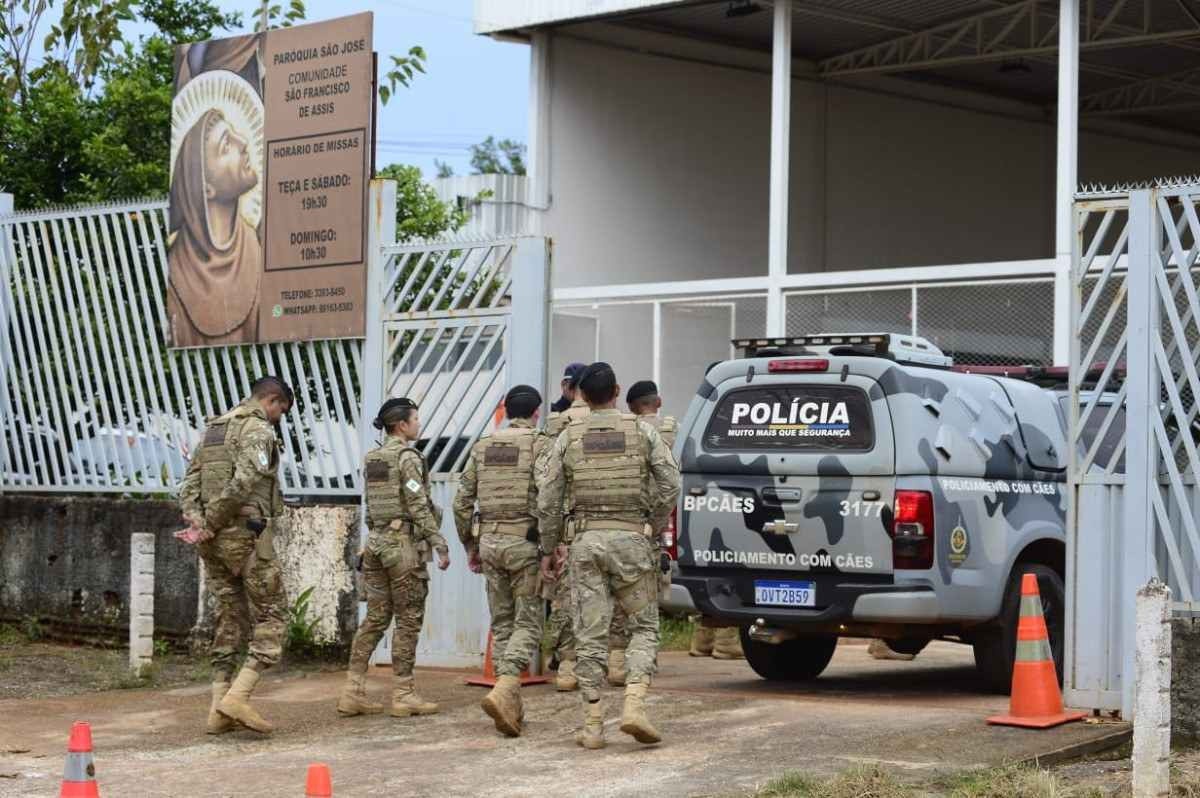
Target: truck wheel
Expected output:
[790,661]
[995,648]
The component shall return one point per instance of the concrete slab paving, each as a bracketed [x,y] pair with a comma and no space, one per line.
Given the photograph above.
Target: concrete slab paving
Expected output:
[726,733]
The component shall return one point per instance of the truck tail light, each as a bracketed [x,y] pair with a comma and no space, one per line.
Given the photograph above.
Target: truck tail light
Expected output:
[670,541]
[808,364]
[912,530]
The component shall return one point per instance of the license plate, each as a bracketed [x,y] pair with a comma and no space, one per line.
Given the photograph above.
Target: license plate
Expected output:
[785,594]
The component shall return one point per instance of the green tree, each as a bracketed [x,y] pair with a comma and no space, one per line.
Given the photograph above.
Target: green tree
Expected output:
[503,157]
[419,212]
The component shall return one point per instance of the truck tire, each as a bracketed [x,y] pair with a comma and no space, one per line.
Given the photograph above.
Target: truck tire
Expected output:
[995,648]
[795,660]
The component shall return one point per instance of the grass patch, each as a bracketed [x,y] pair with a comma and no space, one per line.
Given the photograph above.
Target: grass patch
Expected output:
[10,636]
[1010,780]
[864,781]
[674,633]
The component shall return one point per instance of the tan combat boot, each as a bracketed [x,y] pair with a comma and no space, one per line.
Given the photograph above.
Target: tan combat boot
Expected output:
[702,642]
[354,700]
[218,723]
[727,644]
[406,701]
[564,680]
[503,705]
[633,715]
[592,734]
[616,667]
[236,703]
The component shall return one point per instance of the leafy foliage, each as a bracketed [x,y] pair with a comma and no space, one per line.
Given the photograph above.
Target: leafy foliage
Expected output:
[404,69]
[300,637]
[419,211]
[503,157]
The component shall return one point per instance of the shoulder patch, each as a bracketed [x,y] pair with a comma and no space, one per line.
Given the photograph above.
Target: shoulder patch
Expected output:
[215,435]
[499,454]
[603,442]
[377,471]
[413,486]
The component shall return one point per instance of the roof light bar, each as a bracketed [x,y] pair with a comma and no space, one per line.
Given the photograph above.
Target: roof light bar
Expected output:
[901,348]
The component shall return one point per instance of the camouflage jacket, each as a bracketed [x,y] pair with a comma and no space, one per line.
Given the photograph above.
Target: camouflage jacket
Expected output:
[557,422]
[248,465]
[468,486]
[659,492]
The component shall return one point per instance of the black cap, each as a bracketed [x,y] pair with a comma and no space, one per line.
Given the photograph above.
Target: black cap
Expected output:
[573,372]
[640,389]
[523,390]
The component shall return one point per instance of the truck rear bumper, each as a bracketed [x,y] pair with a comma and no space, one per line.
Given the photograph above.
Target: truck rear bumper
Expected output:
[730,598]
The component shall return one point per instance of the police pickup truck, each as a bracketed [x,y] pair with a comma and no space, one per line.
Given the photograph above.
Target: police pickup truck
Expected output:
[862,486]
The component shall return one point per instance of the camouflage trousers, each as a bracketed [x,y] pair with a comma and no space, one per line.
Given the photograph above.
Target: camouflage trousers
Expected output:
[244,578]
[398,592]
[618,630]
[510,565]
[561,624]
[607,566]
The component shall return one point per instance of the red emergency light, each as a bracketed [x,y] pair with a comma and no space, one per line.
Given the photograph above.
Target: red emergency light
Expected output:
[807,364]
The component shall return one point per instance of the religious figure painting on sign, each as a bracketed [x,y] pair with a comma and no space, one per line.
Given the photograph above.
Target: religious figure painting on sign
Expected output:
[214,243]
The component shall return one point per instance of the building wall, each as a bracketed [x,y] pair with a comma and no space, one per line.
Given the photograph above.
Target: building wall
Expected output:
[659,171]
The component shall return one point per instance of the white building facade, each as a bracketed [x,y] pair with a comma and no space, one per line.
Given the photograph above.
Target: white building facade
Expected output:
[708,170]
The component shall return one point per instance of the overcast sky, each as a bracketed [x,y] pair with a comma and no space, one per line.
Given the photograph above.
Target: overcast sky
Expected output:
[474,86]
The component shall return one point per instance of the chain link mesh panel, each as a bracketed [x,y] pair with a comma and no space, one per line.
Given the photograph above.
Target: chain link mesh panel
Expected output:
[1009,323]
[869,310]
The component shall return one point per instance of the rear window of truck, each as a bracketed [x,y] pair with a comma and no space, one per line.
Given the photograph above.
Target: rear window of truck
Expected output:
[792,418]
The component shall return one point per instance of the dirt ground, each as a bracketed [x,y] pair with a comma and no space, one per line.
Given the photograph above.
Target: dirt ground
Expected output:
[726,731]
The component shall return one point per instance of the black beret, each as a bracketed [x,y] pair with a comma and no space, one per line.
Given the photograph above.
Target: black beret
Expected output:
[640,389]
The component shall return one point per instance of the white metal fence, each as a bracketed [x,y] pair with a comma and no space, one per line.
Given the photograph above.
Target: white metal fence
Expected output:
[1134,432]
[93,400]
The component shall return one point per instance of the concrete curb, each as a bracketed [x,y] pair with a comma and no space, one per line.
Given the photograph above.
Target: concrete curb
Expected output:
[1114,739]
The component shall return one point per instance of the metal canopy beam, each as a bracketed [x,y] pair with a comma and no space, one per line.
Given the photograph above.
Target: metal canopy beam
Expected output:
[1159,93]
[1022,29]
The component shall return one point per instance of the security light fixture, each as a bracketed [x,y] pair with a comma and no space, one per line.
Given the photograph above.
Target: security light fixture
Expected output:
[742,8]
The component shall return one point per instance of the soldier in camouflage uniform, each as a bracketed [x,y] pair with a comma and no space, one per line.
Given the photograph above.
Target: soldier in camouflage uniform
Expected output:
[501,540]
[562,631]
[618,482]
[230,496]
[644,402]
[403,523]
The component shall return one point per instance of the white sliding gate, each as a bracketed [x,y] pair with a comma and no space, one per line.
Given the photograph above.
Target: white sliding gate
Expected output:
[1135,511]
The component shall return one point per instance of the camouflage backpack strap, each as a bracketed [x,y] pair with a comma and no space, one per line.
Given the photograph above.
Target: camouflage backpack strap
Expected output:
[607,458]
[667,428]
[505,468]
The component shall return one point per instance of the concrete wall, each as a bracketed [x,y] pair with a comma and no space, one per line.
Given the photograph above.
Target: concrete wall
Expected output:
[658,171]
[65,560]
[1185,680]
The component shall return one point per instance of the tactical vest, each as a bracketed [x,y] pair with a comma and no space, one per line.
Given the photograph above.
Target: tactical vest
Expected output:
[557,422]
[666,426]
[381,472]
[504,464]
[217,455]
[606,459]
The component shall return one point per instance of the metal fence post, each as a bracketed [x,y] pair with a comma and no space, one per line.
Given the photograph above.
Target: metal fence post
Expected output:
[1141,461]
[7,206]
[529,324]
[381,231]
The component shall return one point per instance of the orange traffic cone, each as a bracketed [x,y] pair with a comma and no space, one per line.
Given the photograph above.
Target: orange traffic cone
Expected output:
[319,783]
[1036,702]
[488,679]
[79,776]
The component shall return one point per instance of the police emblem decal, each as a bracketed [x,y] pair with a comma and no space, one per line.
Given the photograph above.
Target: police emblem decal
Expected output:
[960,545]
